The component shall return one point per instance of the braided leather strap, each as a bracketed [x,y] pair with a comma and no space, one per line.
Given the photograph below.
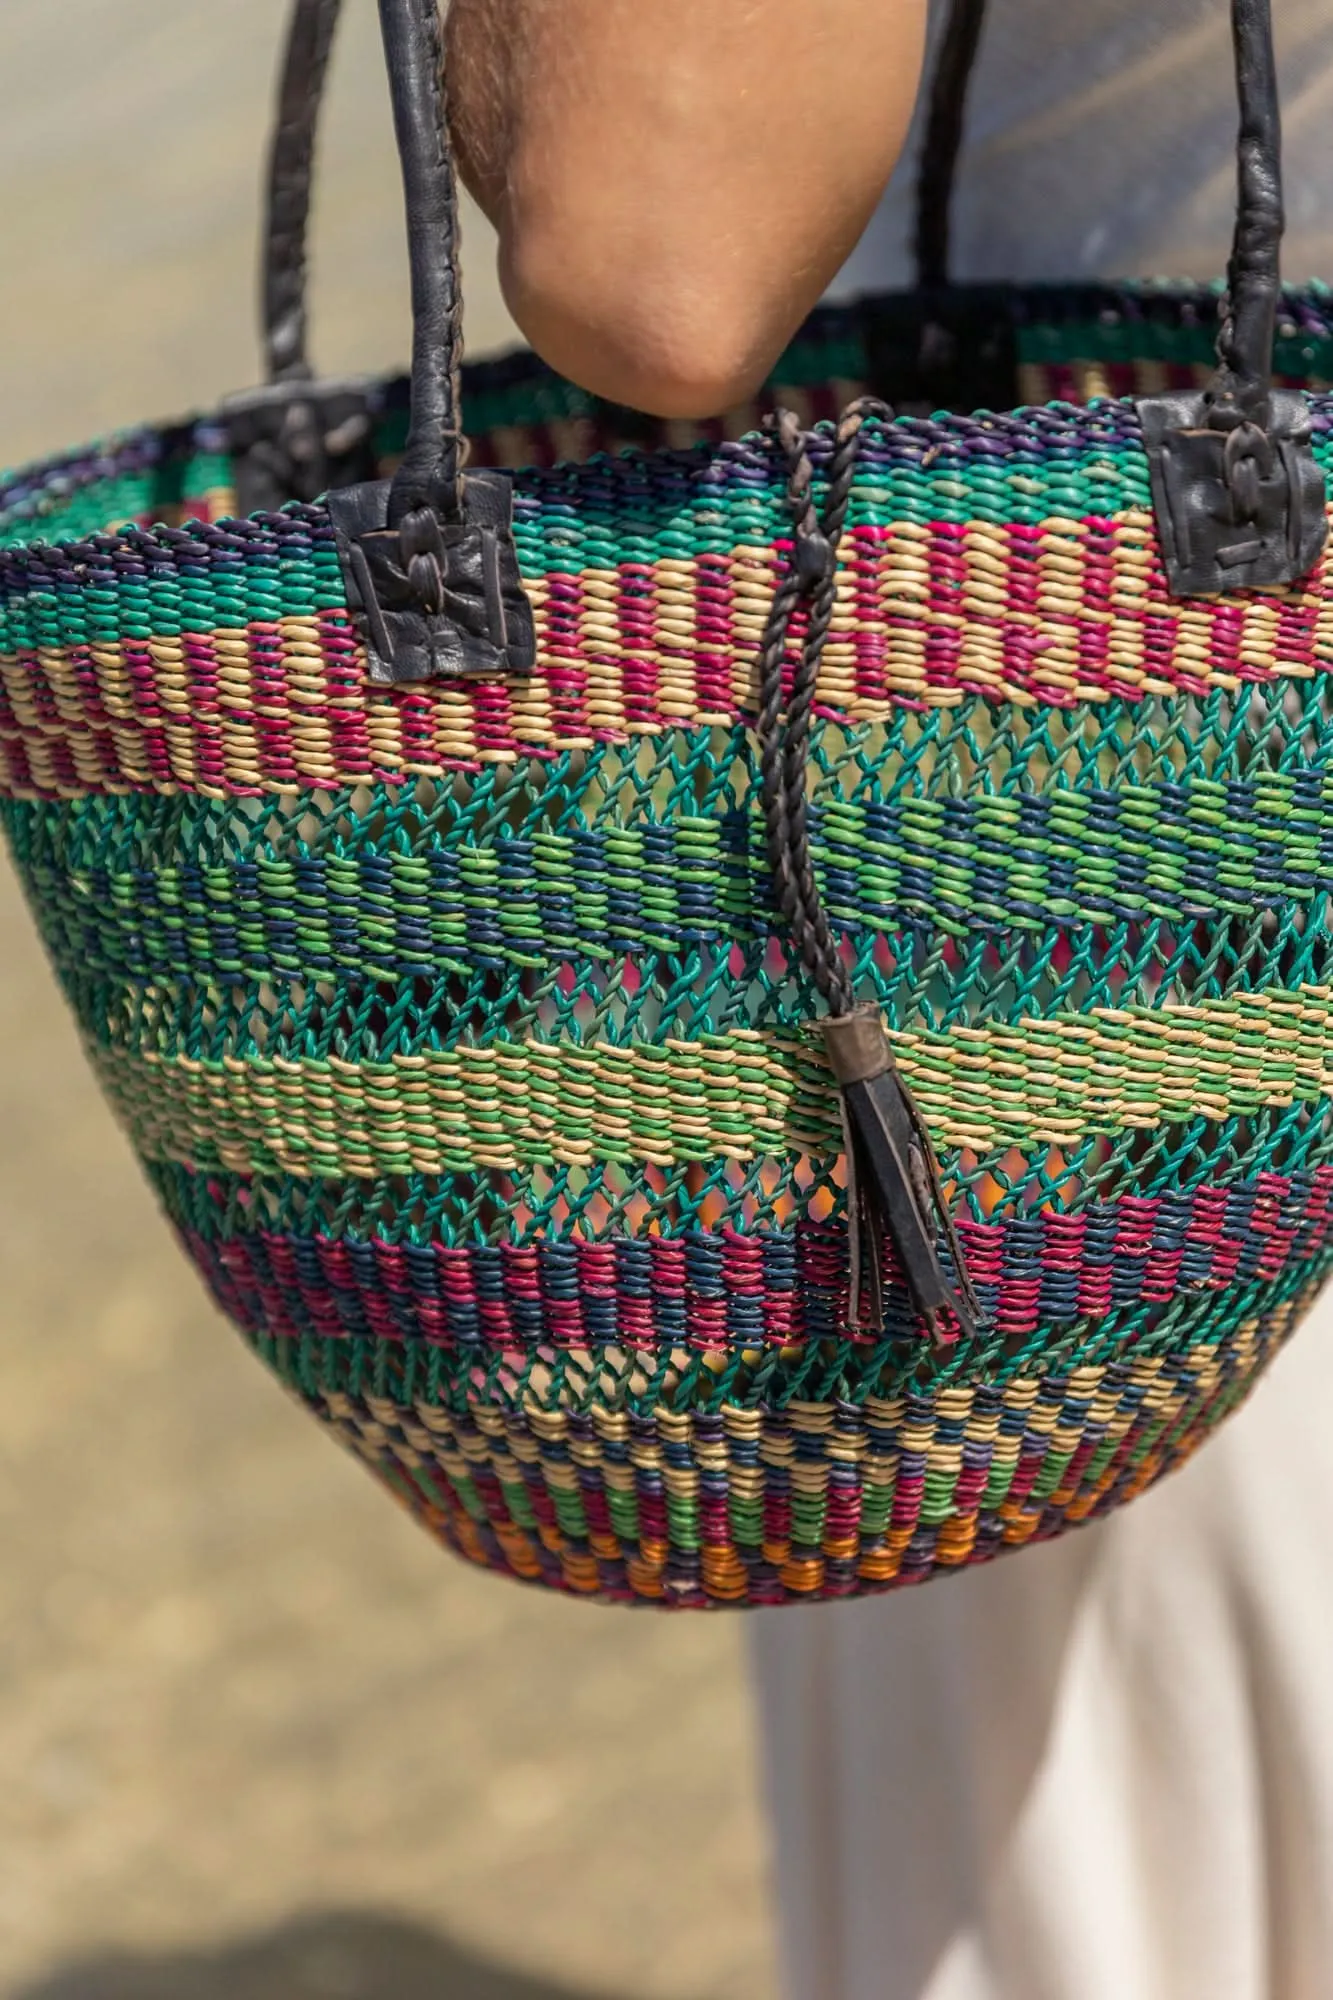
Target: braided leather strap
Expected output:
[893,1183]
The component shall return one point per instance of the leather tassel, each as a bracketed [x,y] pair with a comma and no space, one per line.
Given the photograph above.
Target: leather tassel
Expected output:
[893,1185]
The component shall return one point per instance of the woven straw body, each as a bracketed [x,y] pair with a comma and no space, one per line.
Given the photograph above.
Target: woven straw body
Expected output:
[457,1036]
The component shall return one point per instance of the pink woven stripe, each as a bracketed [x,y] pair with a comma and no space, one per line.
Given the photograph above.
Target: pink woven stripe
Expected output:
[727,1289]
[1046,616]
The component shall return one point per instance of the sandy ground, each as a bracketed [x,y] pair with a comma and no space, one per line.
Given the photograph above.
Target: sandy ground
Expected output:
[259,1740]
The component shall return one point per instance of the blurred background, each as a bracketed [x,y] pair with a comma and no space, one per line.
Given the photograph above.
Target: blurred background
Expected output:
[259,1739]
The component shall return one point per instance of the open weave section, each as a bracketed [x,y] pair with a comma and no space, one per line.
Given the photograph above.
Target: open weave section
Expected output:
[457,1030]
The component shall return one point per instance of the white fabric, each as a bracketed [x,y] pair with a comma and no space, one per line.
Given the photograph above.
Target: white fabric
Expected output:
[1101,1769]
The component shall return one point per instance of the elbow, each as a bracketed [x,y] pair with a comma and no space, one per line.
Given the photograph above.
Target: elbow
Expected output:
[667,213]
[685,336]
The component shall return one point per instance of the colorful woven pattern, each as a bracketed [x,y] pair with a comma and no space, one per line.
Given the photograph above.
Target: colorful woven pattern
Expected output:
[458,1034]
[1013,559]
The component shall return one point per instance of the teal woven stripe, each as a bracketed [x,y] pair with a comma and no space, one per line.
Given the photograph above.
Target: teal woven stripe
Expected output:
[596,537]
[689,517]
[1021,490]
[1020,487]
[60,513]
[167,605]
[1017,862]
[1306,356]
[671,521]
[680,518]
[87,512]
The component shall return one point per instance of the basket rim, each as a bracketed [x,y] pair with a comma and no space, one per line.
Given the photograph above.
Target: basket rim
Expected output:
[31,491]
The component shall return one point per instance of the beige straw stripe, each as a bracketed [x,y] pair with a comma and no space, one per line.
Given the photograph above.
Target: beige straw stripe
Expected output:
[1068,612]
[735,1095]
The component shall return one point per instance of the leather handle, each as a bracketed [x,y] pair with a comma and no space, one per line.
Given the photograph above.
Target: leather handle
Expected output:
[412,44]
[429,560]
[1238,497]
[428,557]
[1245,345]
[943,140]
[1245,349]
[290,172]
[430,472]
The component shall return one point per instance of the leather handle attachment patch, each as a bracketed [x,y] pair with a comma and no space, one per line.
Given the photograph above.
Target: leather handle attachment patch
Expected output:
[1239,502]
[436,600]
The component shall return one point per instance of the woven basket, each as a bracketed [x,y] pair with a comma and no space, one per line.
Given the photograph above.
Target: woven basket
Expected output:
[450,1005]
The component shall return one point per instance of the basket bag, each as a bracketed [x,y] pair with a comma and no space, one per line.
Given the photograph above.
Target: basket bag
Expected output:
[746,1021]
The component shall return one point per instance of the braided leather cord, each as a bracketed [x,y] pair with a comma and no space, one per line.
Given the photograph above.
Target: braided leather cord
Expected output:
[784,753]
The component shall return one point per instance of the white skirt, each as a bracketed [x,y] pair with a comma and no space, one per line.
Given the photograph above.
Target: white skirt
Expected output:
[1100,1769]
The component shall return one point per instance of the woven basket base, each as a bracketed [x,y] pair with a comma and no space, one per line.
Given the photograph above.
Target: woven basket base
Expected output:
[817,1501]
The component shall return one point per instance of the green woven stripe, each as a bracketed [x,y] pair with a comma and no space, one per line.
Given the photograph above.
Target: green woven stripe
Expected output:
[700,518]
[1020,487]
[738,1094]
[690,517]
[711,521]
[89,511]
[1021,861]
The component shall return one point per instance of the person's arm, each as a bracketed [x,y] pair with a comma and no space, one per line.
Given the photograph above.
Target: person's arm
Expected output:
[675,182]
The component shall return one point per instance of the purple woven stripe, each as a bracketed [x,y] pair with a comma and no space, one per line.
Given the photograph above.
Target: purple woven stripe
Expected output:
[716,1289]
[34,487]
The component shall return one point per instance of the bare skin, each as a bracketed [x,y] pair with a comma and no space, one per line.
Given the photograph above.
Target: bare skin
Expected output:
[675,182]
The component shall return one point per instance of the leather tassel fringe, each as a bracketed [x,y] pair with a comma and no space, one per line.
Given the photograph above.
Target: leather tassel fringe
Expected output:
[893,1185]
